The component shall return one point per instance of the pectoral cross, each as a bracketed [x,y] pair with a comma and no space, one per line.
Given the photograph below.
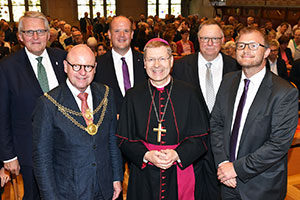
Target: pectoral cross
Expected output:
[159,130]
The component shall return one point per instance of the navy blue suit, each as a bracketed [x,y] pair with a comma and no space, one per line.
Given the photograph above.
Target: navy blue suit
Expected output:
[106,74]
[68,162]
[19,91]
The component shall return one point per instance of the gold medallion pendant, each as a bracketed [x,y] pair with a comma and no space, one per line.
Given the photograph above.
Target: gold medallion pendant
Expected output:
[88,114]
[92,129]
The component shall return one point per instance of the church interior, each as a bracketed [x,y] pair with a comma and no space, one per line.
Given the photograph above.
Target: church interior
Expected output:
[71,11]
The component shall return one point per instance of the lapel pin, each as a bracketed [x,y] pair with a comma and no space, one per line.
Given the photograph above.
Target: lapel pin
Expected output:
[56,63]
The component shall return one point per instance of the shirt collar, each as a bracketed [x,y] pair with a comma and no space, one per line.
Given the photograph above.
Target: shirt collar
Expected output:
[203,60]
[75,91]
[257,78]
[32,56]
[118,56]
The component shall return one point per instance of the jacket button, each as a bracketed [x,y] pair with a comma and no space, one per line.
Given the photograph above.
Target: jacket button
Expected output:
[94,146]
[94,164]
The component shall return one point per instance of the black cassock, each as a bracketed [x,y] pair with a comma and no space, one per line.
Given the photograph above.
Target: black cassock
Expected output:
[186,124]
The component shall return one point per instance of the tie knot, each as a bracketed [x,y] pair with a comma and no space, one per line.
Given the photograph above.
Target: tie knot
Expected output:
[247,81]
[123,59]
[208,65]
[39,59]
[83,96]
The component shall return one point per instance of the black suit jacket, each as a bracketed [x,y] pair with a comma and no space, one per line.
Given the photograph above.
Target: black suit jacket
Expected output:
[19,91]
[68,162]
[295,73]
[186,68]
[261,163]
[281,68]
[288,55]
[106,74]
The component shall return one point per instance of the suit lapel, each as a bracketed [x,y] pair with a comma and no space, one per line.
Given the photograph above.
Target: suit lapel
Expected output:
[136,63]
[112,71]
[261,98]
[68,100]
[56,64]
[28,69]
[97,96]
[194,69]
[232,92]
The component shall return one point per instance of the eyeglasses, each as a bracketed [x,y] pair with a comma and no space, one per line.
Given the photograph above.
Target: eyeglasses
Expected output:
[39,32]
[251,45]
[76,68]
[160,59]
[213,39]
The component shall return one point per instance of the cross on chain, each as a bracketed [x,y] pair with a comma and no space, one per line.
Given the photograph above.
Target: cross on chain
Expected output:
[159,130]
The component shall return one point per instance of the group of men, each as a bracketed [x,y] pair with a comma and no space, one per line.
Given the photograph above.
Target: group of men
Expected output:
[216,125]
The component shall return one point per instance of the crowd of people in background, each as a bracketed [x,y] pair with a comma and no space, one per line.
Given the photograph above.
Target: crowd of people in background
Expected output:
[180,32]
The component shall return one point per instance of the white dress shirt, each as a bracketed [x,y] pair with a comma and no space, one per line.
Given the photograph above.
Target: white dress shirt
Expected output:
[254,85]
[273,66]
[52,80]
[118,68]
[216,70]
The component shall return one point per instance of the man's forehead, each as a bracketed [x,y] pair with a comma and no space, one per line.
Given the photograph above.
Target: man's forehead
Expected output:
[210,29]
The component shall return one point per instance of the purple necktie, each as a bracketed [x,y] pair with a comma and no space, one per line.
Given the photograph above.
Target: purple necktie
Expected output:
[237,121]
[125,74]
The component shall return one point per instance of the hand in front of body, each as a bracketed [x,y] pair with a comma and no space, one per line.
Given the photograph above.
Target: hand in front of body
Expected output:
[227,175]
[13,167]
[162,159]
[117,189]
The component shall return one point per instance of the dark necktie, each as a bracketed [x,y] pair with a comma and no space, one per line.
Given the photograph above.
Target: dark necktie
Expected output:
[125,74]
[237,121]
[42,75]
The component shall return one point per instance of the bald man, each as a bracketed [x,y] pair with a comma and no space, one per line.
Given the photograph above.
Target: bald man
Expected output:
[75,155]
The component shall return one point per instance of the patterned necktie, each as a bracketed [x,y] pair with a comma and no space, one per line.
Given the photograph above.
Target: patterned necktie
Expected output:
[42,75]
[125,74]
[87,115]
[237,121]
[210,93]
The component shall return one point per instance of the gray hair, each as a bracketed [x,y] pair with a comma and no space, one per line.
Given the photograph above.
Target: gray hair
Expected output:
[33,14]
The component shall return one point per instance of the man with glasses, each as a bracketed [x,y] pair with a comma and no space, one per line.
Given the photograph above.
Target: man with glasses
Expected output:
[275,64]
[205,70]
[24,76]
[252,125]
[75,153]
[163,131]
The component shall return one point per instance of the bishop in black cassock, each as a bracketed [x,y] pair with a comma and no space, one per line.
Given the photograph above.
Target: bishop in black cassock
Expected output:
[163,132]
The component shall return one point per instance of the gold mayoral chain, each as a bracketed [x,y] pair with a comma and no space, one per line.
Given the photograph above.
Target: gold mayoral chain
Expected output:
[91,128]
[159,128]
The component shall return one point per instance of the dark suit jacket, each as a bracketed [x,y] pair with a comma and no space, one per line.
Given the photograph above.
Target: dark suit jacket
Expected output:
[186,69]
[83,24]
[295,73]
[68,162]
[288,54]
[261,163]
[281,68]
[19,91]
[106,74]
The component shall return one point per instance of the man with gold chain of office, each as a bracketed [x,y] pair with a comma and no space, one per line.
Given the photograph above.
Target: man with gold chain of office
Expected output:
[75,154]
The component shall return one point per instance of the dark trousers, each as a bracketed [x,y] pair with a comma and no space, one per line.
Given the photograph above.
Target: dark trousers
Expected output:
[31,191]
[229,193]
